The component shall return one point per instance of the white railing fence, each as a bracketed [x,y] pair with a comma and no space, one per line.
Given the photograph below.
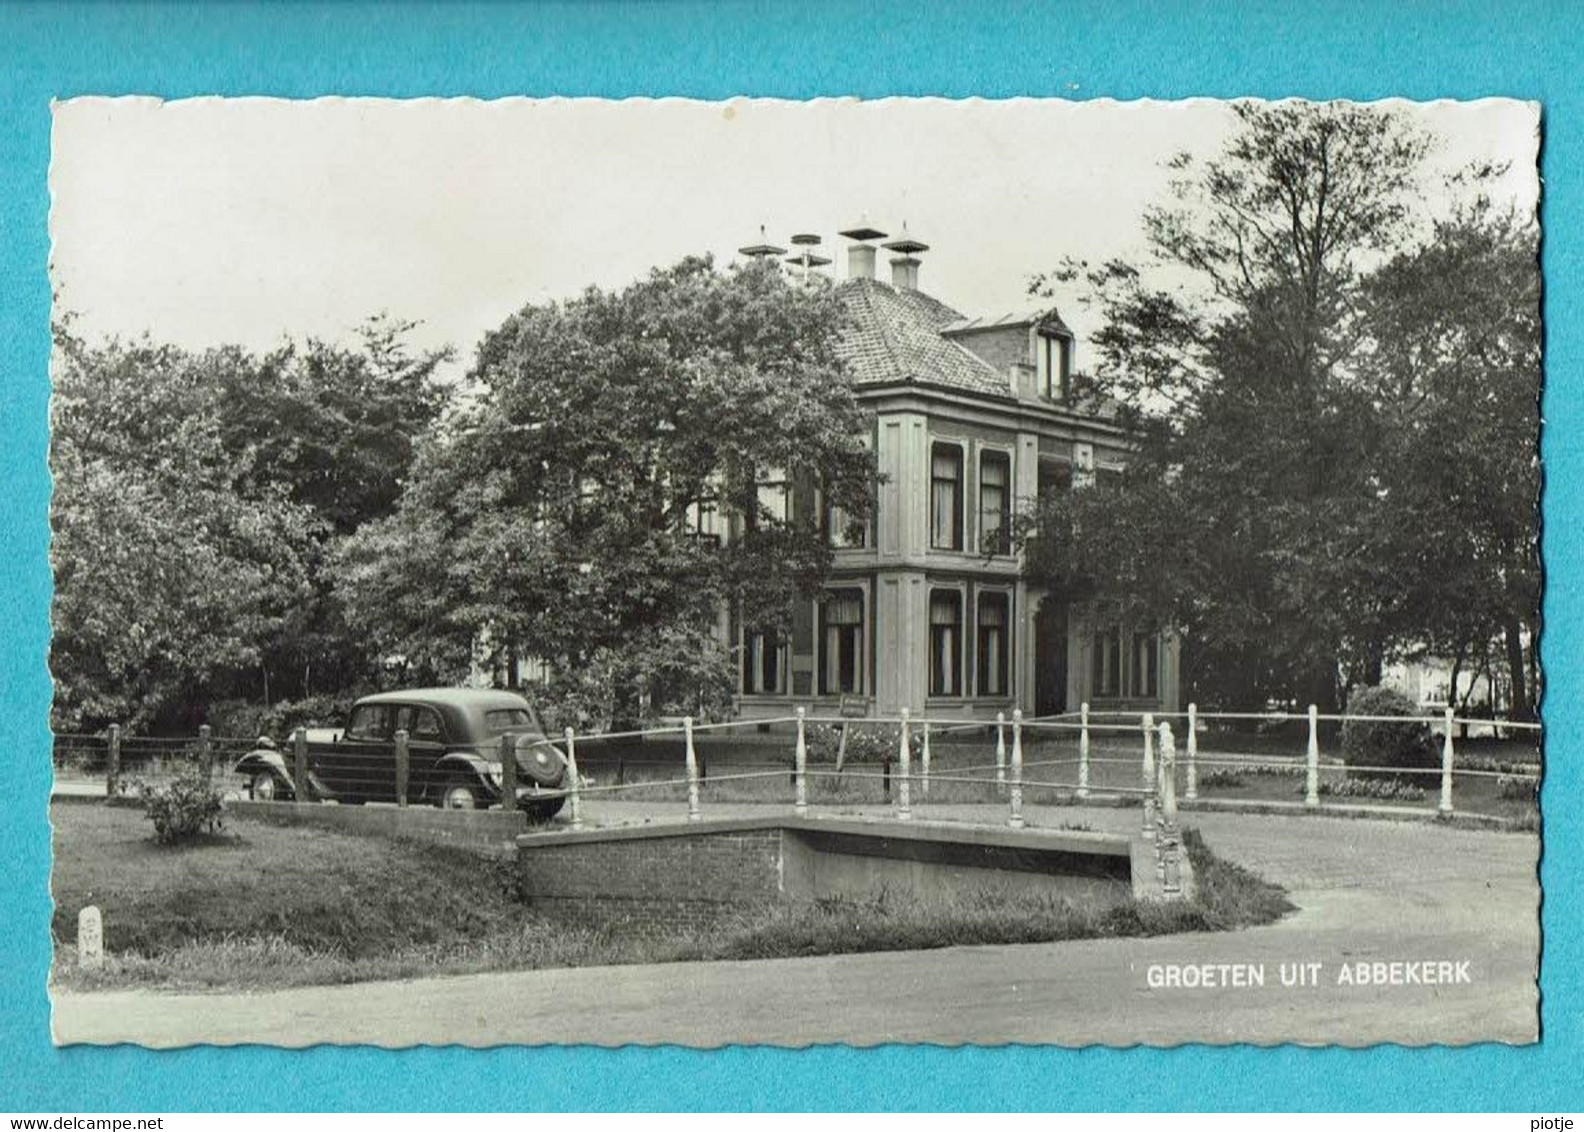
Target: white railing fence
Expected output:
[1097,736]
[1073,758]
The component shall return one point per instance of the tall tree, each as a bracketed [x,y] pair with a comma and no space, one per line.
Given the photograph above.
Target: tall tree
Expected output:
[334,428]
[560,518]
[167,579]
[1240,355]
[198,497]
[1454,368]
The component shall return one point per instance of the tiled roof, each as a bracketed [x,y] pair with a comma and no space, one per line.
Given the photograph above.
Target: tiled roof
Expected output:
[1045,318]
[894,335]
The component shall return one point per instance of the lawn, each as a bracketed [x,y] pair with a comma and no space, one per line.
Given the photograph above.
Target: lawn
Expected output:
[323,891]
[260,906]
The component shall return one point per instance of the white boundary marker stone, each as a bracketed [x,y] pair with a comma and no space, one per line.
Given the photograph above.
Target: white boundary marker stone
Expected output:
[90,937]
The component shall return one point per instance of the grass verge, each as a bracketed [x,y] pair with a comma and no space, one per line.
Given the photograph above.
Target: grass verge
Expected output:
[277,907]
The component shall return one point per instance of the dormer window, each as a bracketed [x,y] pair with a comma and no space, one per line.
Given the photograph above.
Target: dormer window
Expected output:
[1052,365]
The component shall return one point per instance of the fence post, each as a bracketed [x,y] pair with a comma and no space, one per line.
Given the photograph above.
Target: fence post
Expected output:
[1312,760]
[924,762]
[113,762]
[1167,844]
[205,751]
[1015,819]
[574,799]
[1000,758]
[300,765]
[1192,786]
[692,769]
[1083,750]
[508,756]
[904,795]
[1147,775]
[403,766]
[800,764]
[1446,768]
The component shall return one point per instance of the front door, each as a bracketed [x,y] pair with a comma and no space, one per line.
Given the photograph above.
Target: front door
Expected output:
[1050,657]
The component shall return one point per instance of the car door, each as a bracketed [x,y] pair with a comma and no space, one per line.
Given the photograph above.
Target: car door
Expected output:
[362,767]
[425,745]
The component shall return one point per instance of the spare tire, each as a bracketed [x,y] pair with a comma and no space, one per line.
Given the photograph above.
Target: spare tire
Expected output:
[539,761]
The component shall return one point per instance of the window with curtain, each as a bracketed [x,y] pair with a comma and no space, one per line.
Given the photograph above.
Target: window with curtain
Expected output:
[993,622]
[995,503]
[945,677]
[946,519]
[1055,477]
[702,521]
[1146,665]
[841,531]
[764,668]
[841,643]
[773,498]
[1053,365]
[1106,662]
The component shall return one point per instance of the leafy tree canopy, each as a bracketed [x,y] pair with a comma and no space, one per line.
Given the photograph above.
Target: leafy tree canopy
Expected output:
[1295,358]
[558,519]
[196,497]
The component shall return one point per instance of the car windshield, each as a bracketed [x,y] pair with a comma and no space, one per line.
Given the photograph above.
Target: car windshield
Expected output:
[498,721]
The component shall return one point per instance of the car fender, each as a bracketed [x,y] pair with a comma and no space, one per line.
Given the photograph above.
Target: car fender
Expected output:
[267,758]
[467,762]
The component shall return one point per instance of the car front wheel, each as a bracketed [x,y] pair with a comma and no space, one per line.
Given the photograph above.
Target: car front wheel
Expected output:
[266,787]
[460,794]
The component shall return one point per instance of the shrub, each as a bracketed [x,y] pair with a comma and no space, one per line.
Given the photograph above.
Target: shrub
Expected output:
[1407,745]
[1498,766]
[866,743]
[1220,778]
[184,807]
[1381,789]
[243,719]
[1517,789]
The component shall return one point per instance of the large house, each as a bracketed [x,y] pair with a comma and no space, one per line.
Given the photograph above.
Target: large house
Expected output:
[927,608]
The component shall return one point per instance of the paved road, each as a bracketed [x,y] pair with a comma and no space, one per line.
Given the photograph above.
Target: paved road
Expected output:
[1367,891]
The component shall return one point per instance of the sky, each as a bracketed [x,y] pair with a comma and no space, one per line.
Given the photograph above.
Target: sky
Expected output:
[210,221]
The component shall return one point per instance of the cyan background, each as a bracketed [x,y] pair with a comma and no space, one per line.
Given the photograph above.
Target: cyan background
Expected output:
[1120,48]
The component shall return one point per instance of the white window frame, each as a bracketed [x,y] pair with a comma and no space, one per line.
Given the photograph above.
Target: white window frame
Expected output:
[1009,629]
[865,628]
[963,539]
[1006,496]
[961,590]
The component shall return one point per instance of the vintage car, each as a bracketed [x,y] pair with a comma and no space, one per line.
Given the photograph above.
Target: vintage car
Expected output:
[454,754]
